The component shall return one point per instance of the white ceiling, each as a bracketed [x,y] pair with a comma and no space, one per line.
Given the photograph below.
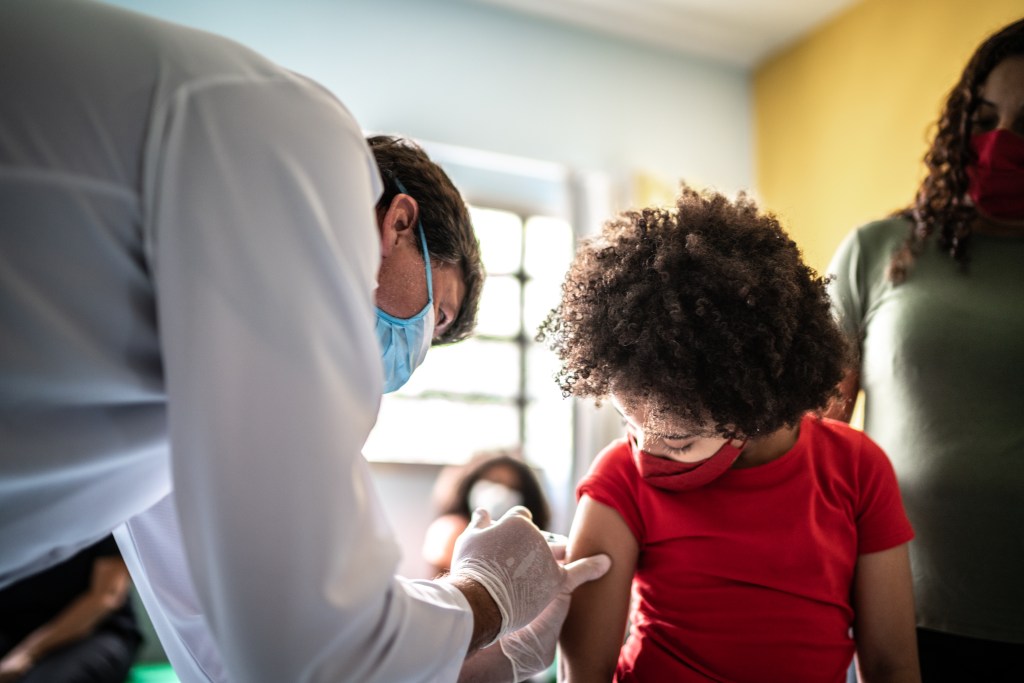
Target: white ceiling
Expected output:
[737,32]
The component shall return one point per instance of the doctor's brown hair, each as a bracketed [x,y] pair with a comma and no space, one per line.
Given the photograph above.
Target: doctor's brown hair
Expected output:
[703,311]
[443,214]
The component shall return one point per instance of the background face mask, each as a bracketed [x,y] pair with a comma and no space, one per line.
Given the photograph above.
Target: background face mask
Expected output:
[496,498]
[996,179]
[404,342]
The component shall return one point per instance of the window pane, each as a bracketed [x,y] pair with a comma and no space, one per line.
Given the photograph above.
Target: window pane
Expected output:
[499,307]
[542,365]
[470,367]
[437,430]
[549,249]
[501,235]
[540,299]
[548,440]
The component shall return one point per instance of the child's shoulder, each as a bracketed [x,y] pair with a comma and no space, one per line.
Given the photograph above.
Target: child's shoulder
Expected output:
[839,441]
[612,474]
[826,427]
[614,460]
[613,480]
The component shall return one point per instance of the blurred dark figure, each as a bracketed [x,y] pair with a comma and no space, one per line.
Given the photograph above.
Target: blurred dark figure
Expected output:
[72,623]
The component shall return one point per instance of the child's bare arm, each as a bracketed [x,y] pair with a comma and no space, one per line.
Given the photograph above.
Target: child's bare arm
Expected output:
[593,632]
[884,625]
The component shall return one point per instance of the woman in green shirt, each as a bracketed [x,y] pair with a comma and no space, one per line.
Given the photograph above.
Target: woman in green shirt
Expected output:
[934,298]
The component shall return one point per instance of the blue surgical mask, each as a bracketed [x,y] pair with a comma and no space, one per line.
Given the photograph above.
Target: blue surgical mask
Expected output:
[404,342]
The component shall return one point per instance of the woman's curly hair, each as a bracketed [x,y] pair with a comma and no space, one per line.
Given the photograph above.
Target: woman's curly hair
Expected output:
[704,312]
[941,206]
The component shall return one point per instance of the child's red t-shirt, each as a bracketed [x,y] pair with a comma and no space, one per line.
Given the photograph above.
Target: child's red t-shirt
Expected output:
[749,578]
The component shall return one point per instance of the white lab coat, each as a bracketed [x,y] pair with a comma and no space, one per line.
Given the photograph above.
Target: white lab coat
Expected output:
[188,254]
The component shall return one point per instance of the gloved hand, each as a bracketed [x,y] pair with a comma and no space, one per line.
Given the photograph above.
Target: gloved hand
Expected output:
[531,649]
[513,561]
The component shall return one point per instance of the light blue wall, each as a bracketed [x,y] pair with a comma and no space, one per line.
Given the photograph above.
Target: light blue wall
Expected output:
[456,72]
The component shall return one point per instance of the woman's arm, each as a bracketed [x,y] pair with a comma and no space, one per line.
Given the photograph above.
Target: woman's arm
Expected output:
[884,624]
[593,632]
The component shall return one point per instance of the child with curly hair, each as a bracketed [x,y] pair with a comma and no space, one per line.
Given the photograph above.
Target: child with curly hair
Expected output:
[761,542]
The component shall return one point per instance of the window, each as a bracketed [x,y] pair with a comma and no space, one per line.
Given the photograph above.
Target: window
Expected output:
[496,389]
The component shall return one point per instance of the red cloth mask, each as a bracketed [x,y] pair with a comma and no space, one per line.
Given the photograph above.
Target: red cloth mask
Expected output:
[673,475]
[996,180]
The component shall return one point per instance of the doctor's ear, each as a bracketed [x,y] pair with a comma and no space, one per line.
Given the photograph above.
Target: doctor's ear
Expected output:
[397,222]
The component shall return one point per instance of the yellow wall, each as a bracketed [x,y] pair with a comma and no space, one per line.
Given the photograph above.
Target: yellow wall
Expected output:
[843,117]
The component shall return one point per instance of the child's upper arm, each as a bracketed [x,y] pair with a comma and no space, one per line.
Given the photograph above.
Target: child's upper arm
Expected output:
[594,630]
[884,625]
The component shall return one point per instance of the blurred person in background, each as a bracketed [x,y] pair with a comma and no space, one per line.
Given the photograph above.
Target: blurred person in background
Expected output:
[496,481]
[72,623]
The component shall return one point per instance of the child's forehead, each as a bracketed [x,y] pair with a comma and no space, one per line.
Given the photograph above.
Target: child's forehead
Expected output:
[655,419]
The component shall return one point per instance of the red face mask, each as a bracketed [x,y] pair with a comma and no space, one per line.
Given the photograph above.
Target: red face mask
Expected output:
[996,180]
[672,475]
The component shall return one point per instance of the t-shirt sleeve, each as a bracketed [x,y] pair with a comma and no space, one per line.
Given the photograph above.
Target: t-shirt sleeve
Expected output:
[881,520]
[612,481]
[847,288]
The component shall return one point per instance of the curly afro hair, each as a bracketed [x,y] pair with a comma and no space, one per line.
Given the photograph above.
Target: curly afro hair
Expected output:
[704,312]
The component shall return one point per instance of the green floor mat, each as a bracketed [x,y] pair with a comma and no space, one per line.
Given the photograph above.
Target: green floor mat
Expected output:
[152,673]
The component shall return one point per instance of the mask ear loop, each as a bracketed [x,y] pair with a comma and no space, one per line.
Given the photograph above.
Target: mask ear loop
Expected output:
[423,243]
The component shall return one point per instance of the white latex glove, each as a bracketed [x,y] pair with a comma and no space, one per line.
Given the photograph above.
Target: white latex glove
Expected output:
[530,650]
[511,559]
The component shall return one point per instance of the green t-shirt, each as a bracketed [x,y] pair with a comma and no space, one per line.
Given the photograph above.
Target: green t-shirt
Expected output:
[942,368]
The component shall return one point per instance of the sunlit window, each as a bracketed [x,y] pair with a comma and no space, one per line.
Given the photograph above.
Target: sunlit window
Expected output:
[496,389]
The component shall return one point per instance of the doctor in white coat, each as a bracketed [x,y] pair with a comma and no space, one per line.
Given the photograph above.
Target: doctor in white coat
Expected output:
[202,268]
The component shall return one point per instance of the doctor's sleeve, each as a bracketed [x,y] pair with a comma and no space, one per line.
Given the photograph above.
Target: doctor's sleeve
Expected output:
[263,244]
[150,544]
